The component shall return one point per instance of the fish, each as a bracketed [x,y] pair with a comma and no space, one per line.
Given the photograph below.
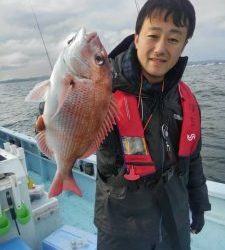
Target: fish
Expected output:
[79,110]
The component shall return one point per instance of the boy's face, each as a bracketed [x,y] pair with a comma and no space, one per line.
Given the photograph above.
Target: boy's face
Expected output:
[159,46]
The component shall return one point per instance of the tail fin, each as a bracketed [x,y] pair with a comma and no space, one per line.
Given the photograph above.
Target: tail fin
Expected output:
[59,184]
[56,187]
[71,185]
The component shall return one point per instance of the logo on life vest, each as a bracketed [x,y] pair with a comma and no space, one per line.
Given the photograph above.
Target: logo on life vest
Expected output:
[191,137]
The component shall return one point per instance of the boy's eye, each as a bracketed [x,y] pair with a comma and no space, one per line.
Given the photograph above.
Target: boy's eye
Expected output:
[173,40]
[152,36]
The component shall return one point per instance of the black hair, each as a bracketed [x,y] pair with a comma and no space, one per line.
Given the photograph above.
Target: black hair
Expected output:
[182,12]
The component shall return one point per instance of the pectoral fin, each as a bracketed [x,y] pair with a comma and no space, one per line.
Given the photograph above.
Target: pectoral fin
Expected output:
[39,92]
[69,83]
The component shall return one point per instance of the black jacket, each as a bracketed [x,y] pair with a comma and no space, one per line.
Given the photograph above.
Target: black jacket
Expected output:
[130,209]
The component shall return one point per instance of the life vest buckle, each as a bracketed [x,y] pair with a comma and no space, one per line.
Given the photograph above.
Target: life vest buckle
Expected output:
[131,175]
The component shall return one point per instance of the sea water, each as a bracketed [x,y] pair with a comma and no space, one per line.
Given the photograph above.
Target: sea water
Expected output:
[207,81]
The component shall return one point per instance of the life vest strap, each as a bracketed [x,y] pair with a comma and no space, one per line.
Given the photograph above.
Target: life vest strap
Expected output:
[136,154]
[137,158]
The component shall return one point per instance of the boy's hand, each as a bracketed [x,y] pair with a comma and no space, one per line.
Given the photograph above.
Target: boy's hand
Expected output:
[39,125]
[198,222]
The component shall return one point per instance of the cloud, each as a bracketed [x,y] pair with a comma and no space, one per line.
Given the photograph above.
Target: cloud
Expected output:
[16,59]
[21,44]
[22,50]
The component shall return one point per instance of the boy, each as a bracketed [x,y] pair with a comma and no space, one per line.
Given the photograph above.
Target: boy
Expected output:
[149,167]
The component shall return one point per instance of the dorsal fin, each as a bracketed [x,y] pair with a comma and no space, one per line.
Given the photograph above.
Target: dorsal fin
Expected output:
[105,128]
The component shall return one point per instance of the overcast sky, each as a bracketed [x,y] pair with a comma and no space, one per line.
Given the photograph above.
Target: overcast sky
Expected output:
[22,52]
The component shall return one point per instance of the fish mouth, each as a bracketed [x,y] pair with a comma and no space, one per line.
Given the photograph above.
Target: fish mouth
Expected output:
[90,37]
[82,35]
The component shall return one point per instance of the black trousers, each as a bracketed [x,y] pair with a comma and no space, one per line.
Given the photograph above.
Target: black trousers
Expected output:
[108,242]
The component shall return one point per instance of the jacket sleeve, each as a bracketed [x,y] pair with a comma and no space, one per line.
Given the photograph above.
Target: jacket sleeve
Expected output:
[197,189]
[109,155]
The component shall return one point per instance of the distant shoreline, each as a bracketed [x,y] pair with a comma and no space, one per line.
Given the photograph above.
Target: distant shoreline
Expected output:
[37,78]
[206,62]
[42,78]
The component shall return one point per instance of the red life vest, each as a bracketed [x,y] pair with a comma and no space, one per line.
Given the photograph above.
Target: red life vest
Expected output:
[137,157]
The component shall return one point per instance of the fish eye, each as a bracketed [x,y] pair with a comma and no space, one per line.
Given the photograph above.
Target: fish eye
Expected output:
[99,60]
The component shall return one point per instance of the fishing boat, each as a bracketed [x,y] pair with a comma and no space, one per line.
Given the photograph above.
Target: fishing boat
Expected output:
[30,220]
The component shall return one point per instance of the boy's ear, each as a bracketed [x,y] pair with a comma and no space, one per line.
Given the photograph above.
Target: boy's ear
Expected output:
[136,40]
[186,42]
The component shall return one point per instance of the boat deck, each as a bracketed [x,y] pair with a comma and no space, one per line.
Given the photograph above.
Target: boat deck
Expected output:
[78,212]
[73,210]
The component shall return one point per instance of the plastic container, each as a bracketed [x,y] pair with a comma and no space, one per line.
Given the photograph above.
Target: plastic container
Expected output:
[37,192]
[14,244]
[5,224]
[70,238]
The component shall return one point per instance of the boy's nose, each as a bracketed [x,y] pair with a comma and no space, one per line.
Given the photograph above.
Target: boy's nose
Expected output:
[160,47]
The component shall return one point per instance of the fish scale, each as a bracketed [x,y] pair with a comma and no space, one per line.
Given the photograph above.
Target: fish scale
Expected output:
[79,107]
[80,111]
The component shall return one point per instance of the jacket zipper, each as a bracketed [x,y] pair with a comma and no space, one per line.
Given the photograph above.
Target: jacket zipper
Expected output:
[163,160]
[162,140]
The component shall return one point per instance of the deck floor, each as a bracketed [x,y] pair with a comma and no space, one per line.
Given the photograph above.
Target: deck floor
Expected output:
[73,210]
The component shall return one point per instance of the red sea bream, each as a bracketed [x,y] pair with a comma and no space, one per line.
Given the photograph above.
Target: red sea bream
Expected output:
[79,107]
